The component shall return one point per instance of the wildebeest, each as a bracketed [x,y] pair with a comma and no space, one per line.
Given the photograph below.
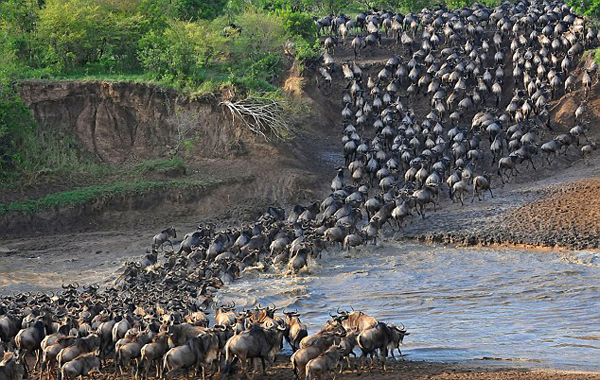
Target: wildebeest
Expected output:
[375,338]
[159,239]
[80,366]
[11,368]
[296,330]
[259,342]
[183,357]
[481,183]
[320,366]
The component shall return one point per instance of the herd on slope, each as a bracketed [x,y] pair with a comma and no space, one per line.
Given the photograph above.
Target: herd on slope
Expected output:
[399,155]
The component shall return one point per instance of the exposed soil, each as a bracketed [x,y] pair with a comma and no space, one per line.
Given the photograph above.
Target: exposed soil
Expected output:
[406,370]
[125,123]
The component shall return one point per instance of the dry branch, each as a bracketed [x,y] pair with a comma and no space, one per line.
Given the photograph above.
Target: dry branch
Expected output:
[262,116]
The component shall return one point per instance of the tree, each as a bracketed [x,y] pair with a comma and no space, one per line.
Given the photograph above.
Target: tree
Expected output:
[181,49]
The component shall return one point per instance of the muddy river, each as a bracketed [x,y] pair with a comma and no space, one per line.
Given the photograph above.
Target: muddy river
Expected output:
[520,307]
[531,308]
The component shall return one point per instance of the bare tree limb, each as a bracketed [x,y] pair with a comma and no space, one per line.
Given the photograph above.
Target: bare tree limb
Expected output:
[263,116]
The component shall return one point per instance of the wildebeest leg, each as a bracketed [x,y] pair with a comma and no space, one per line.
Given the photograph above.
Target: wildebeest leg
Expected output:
[490,189]
[38,359]
[532,164]
[244,364]
[25,366]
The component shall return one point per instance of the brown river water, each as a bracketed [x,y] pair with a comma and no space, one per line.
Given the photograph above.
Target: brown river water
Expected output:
[523,307]
[531,308]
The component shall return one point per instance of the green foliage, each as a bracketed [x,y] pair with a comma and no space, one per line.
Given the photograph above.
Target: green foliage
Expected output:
[299,24]
[192,10]
[28,153]
[79,32]
[161,166]
[16,130]
[305,51]
[178,52]
[262,35]
[586,7]
[90,193]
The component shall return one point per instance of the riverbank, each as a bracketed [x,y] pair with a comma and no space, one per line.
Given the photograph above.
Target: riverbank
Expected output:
[404,370]
[555,213]
[401,370]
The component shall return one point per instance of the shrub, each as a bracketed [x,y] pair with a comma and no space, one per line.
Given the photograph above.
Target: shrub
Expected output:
[180,50]
[16,129]
[262,35]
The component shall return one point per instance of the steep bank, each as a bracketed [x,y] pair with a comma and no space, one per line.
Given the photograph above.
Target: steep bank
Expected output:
[123,124]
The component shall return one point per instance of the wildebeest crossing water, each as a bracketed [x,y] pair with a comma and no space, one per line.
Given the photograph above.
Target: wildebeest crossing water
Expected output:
[536,308]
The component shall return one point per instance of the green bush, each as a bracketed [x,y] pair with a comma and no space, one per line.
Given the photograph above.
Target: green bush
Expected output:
[181,50]
[586,7]
[16,130]
[305,51]
[298,24]
[87,194]
[262,35]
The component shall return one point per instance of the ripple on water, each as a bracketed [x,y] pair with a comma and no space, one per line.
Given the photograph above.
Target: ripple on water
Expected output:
[529,307]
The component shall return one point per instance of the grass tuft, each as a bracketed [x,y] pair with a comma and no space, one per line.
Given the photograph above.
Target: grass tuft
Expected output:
[87,194]
[161,166]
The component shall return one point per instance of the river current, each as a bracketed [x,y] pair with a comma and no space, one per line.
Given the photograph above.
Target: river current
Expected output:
[520,307]
[532,308]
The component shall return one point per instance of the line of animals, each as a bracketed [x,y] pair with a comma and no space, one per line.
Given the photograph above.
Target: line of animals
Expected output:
[155,312]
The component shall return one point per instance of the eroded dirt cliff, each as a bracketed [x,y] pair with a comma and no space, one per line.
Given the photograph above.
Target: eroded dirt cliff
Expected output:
[120,121]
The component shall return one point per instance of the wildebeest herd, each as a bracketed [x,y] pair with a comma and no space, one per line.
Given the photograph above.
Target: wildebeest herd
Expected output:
[154,318]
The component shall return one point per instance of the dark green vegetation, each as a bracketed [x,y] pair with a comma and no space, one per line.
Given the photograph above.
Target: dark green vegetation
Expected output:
[87,194]
[189,44]
[28,153]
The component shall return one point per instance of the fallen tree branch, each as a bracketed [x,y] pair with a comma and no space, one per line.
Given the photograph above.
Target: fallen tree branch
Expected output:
[263,116]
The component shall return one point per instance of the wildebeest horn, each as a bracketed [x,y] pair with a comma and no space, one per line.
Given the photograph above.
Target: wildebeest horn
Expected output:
[63,286]
[352,308]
